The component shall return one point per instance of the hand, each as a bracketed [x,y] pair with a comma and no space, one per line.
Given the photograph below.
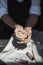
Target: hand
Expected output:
[27,39]
[20,33]
[18,28]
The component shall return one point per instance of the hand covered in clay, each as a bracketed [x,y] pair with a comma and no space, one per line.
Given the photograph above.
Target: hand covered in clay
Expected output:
[20,33]
[23,35]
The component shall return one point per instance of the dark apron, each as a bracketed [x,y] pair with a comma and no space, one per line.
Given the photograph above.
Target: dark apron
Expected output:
[19,11]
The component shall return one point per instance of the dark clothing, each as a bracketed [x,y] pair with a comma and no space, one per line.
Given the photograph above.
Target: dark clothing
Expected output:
[19,11]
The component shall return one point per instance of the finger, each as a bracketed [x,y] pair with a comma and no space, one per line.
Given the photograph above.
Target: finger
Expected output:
[26,40]
[24,32]
[18,29]
[29,33]
[29,37]
[20,35]
[20,39]
[20,42]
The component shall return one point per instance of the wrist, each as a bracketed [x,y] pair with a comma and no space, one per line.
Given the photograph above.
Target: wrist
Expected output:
[28,28]
[17,25]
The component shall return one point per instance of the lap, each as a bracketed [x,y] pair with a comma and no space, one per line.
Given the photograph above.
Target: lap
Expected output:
[14,50]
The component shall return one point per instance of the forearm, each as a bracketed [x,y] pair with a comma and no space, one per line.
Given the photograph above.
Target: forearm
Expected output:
[31,21]
[9,21]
